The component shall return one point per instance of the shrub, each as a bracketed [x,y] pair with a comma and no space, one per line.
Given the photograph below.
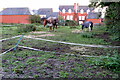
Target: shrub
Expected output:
[71,23]
[41,28]
[63,74]
[111,63]
[61,20]
[87,35]
[112,18]
[35,19]
[26,28]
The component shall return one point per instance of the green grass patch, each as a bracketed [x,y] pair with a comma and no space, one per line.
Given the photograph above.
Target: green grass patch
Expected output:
[65,34]
[47,64]
[109,62]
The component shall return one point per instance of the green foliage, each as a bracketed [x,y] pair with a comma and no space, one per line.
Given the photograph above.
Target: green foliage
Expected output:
[18,71]
[112,19]
[31,60]
[112,63]
[71,23]
[112,16]
[87,35]
[115,38]
[61,20]
[26,28]
[64,74]
[35,19]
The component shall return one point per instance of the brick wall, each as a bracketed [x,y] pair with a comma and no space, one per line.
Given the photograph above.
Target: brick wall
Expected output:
[24,19]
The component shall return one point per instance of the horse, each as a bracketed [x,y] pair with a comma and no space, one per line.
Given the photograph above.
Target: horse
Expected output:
[87,24]
[52,22]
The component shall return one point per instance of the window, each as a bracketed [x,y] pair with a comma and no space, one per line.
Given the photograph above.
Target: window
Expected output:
[63,10]
[81,11]
[80,17]
[68,17]
[71,17]
[88,11]
[70,11]
[64,17]
[83,17]
[80,22]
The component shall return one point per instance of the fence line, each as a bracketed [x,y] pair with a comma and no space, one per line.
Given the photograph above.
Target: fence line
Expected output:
[77,44]
[54,52]
[7,51]
[9,38]
[42,50]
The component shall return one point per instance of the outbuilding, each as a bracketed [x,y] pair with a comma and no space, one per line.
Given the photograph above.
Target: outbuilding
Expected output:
[15,15]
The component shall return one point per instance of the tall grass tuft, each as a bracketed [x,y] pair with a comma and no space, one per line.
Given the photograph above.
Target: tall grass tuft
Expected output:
[26,28]
[87,35]
[111,63]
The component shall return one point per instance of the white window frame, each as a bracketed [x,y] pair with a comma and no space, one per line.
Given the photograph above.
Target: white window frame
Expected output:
[82,11]
[71,17]
[88,11]
[68,17]
[83,17]
[64,17]
[70,11]
[80,17]
[63,10]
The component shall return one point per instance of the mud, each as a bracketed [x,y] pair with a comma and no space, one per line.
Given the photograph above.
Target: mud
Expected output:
[106,37]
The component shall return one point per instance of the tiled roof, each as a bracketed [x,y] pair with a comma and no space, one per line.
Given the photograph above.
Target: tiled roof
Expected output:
[44,11]
[54,14]
[93,15]
[67,7]
[15,11]
[85,8]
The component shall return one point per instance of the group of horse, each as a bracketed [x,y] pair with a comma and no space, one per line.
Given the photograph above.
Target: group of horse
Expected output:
[52,22]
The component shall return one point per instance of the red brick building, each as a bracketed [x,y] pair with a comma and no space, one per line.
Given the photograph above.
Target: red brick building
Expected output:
[15,15]
[79,13]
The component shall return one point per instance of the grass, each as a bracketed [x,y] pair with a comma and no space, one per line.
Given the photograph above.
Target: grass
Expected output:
[27,63]
[9,31]
[57,64]
[14,30]
[65,34]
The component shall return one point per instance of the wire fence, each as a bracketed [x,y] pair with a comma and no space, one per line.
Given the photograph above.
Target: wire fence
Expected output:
[11,44]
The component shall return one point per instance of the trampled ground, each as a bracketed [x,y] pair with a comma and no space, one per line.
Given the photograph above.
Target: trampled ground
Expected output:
[57,60]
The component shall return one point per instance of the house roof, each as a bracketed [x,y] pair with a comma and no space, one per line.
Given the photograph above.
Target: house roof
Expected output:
[53,14]
[85,8]
[67,7]
[15,11]
[93,15]
[44,11]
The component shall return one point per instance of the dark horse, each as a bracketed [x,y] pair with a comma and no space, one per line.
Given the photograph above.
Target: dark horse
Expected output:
[88,24]
[52,22]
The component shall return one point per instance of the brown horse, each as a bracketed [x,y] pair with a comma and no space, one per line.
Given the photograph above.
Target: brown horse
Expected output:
[51,22]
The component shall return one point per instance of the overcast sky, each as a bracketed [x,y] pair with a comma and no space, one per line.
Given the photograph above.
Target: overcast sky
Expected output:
[36,4]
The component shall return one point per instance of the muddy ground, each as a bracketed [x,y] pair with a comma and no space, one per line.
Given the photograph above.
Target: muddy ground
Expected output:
[51,65]
[21,64]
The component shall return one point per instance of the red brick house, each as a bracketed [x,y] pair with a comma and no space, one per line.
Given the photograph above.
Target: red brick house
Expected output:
[15,15]
[78,13]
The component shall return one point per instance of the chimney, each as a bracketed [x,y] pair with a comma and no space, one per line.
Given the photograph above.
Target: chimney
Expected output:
[76,7]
